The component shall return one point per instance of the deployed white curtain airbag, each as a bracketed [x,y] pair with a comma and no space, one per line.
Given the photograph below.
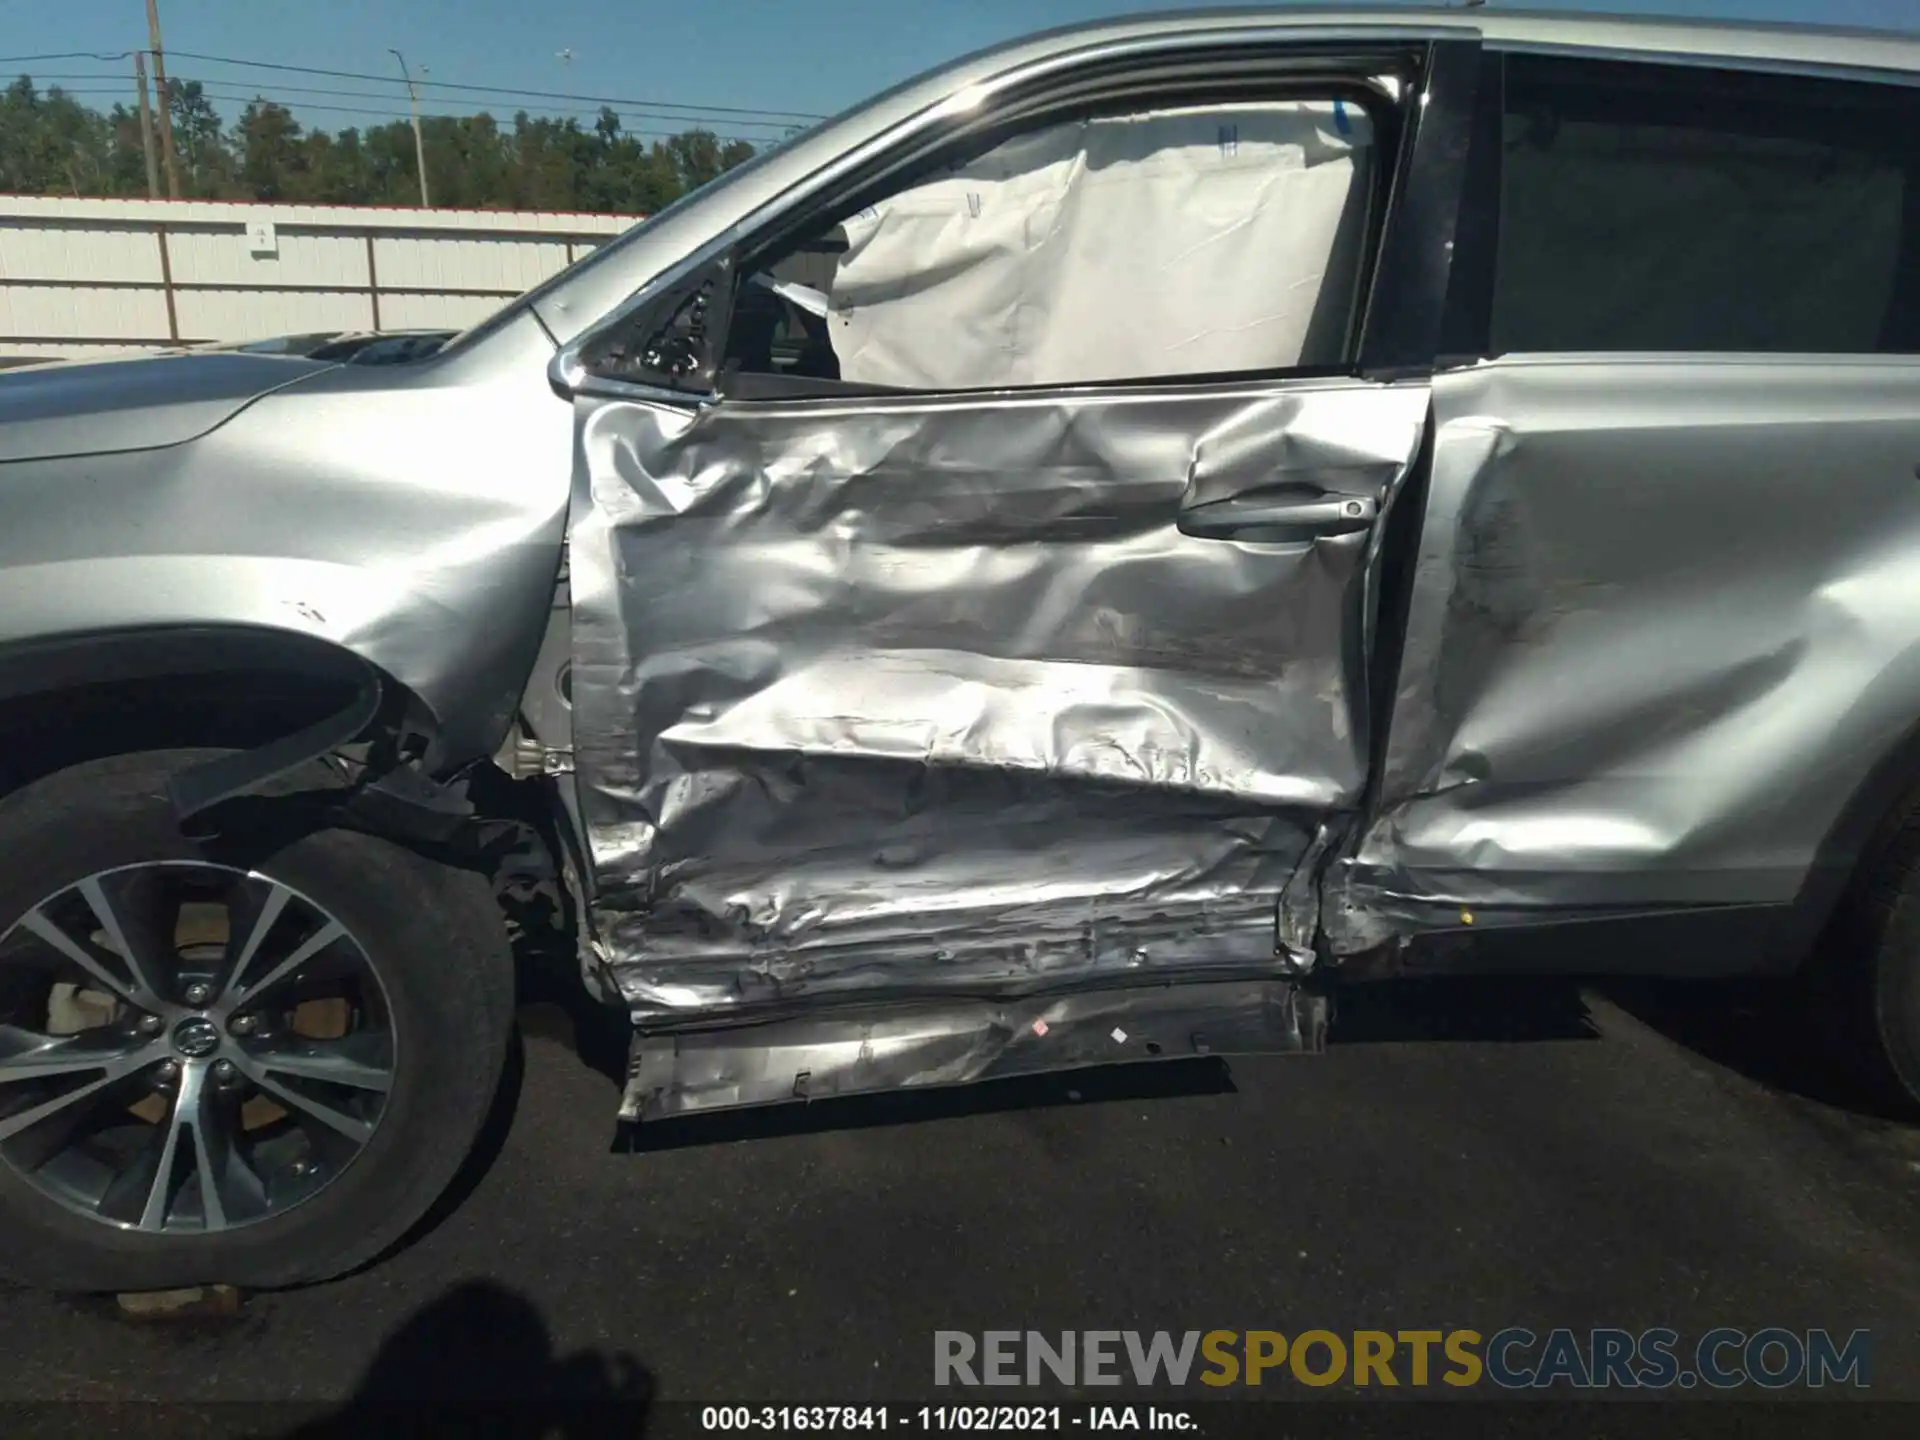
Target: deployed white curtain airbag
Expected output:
[1164,243]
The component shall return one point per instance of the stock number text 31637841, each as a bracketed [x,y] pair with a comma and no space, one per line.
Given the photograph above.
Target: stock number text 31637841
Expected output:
[988,1418]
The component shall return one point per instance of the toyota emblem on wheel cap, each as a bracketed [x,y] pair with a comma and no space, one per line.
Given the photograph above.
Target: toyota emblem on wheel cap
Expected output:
[196,1036]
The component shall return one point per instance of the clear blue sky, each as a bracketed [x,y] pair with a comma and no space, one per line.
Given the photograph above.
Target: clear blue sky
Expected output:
[785,55]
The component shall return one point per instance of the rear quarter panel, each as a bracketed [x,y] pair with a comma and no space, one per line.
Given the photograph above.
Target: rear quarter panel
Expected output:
[1665,622]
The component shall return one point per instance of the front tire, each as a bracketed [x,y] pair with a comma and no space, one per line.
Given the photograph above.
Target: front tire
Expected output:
[255,1066]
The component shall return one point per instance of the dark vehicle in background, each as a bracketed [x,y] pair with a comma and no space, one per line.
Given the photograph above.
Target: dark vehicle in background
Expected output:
[1077,560]
[362,346]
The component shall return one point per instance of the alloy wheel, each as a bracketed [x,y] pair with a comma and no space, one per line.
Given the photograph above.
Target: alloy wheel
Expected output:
[186,1048]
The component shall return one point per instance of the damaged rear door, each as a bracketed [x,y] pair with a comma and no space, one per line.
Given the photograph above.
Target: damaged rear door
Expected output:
[971,567]
[1661,629]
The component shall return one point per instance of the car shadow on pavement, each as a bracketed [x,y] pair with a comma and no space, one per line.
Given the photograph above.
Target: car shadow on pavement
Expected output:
[554,1005]
[487,1146]
[1468,1009]
[1770,1031]
[480,1361]
[550,1003]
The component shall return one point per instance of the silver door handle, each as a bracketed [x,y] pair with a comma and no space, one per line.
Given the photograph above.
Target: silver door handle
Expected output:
[1276,518]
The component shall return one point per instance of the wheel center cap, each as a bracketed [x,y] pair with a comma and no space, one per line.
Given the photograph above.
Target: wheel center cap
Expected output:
[196,1036]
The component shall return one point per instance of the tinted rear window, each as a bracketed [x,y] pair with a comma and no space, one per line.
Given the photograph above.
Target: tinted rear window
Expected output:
[1678,208]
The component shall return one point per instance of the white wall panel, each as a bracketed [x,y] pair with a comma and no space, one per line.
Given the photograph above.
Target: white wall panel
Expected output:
[103,257]
[83,312]
[304,257]
[78,252]
[238,314]
[434,312]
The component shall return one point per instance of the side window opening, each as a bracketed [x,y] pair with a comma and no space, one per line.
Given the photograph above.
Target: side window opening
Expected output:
[1159,242]
[1644,207]
[780,312]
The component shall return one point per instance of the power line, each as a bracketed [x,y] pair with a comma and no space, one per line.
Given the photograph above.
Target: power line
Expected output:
[242,99]
[76,75]
[378,95]
[247,97]
[56,77]
[781,116]
[64,55]
[352,95]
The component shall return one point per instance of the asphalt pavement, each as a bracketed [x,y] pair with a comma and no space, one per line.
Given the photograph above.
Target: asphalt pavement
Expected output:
[1466,1158]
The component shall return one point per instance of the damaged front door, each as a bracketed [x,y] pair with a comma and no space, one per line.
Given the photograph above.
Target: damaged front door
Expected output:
[992,623]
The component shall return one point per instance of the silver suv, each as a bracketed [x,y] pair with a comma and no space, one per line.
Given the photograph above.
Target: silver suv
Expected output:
[1071,562]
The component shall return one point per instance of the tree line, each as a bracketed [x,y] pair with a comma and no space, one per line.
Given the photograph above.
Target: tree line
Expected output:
[52,144]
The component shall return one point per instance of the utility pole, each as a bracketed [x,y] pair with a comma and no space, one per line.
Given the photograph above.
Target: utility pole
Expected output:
[146,124]
[165,99]
[419,145]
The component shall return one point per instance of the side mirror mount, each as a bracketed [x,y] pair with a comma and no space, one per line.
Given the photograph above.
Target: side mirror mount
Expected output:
[672,340]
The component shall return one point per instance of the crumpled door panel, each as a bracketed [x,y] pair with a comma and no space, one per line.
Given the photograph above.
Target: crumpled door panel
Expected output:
[1661,630]
[932,695]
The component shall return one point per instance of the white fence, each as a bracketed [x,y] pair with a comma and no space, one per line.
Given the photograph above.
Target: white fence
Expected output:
[92,277]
